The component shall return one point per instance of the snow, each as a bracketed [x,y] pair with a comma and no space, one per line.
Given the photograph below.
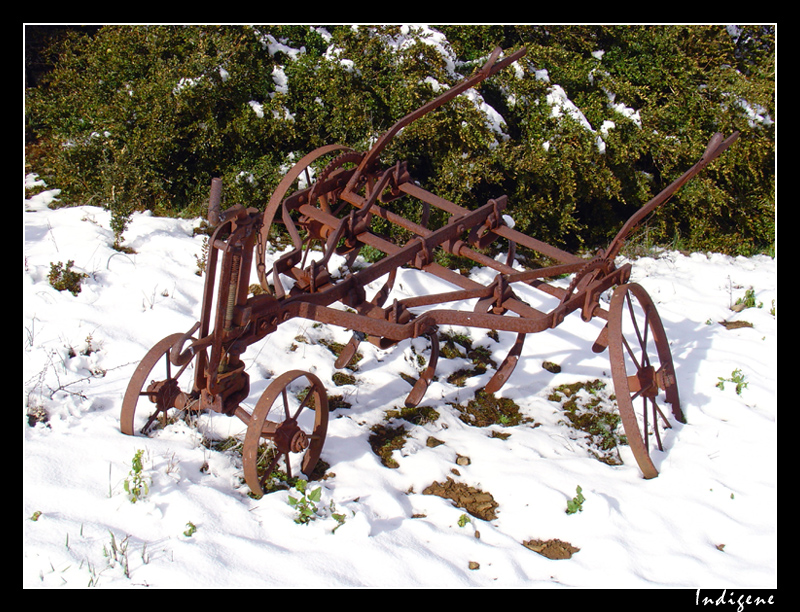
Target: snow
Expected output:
[709,520]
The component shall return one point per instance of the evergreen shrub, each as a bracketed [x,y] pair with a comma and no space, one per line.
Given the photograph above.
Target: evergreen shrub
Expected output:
[581,132]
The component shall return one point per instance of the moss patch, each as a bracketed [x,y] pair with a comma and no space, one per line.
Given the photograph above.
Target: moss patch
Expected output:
[336,402]
[487,409]
[459,346]
[340,379]
[592,413]
[385,439]
[418,415]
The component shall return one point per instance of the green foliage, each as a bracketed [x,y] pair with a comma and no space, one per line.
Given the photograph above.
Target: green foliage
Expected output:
[142,117]
[136,484]
[306,504]
[576,503]
[64,278]
[737,378]
[307,508]
[748,301]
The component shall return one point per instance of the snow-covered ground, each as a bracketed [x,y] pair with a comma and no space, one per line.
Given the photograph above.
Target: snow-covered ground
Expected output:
[708,521]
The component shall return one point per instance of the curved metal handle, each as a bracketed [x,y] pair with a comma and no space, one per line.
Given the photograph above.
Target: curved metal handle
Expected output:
[716,146]
[177,356]
[489,68]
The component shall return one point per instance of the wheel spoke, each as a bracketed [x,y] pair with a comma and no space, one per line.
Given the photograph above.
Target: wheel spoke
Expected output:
[655,426]
[646,434]
[633,319]
[288,467]
[285,403]
[309,392]
[270,469]
[630,352]
[645,353]
[661,414]
[150,421]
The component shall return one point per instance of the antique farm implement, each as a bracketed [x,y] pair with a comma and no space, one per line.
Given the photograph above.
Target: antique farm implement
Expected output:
[289,422]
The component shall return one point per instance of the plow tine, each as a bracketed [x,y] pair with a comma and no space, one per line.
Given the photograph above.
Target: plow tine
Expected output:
[349,351]
[421,386]
[507,367]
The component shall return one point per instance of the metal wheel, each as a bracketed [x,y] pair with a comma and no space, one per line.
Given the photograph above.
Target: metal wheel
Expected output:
[288,182]
[156,388]
[289,422]
[643,372]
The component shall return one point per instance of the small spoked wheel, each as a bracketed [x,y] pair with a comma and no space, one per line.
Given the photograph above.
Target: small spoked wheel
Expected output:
[286,430]
[643,372]
[157,392]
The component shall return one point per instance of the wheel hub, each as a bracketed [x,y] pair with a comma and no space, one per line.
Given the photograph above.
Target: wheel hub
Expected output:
[647,381]
[289,438]
[166,394]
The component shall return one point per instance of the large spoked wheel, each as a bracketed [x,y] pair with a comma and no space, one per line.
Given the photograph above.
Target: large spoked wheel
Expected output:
[643,372]
[290,181]
[288,427]
[157,392]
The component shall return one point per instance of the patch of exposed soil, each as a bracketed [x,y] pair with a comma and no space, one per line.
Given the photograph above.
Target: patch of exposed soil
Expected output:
[735,324]
[476,502]
[552,549]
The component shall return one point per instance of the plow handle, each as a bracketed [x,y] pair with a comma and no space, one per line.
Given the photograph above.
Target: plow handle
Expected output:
[716,146]
[489,68]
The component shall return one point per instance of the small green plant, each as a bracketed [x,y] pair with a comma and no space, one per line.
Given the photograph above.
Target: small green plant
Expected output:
[576,503]
[306,504]
[336,516]
[463,520]
[190,529]
[748,301]
[202,259]
[307,508]
[136,484]
[35,516]
[63,277]
[737,378]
